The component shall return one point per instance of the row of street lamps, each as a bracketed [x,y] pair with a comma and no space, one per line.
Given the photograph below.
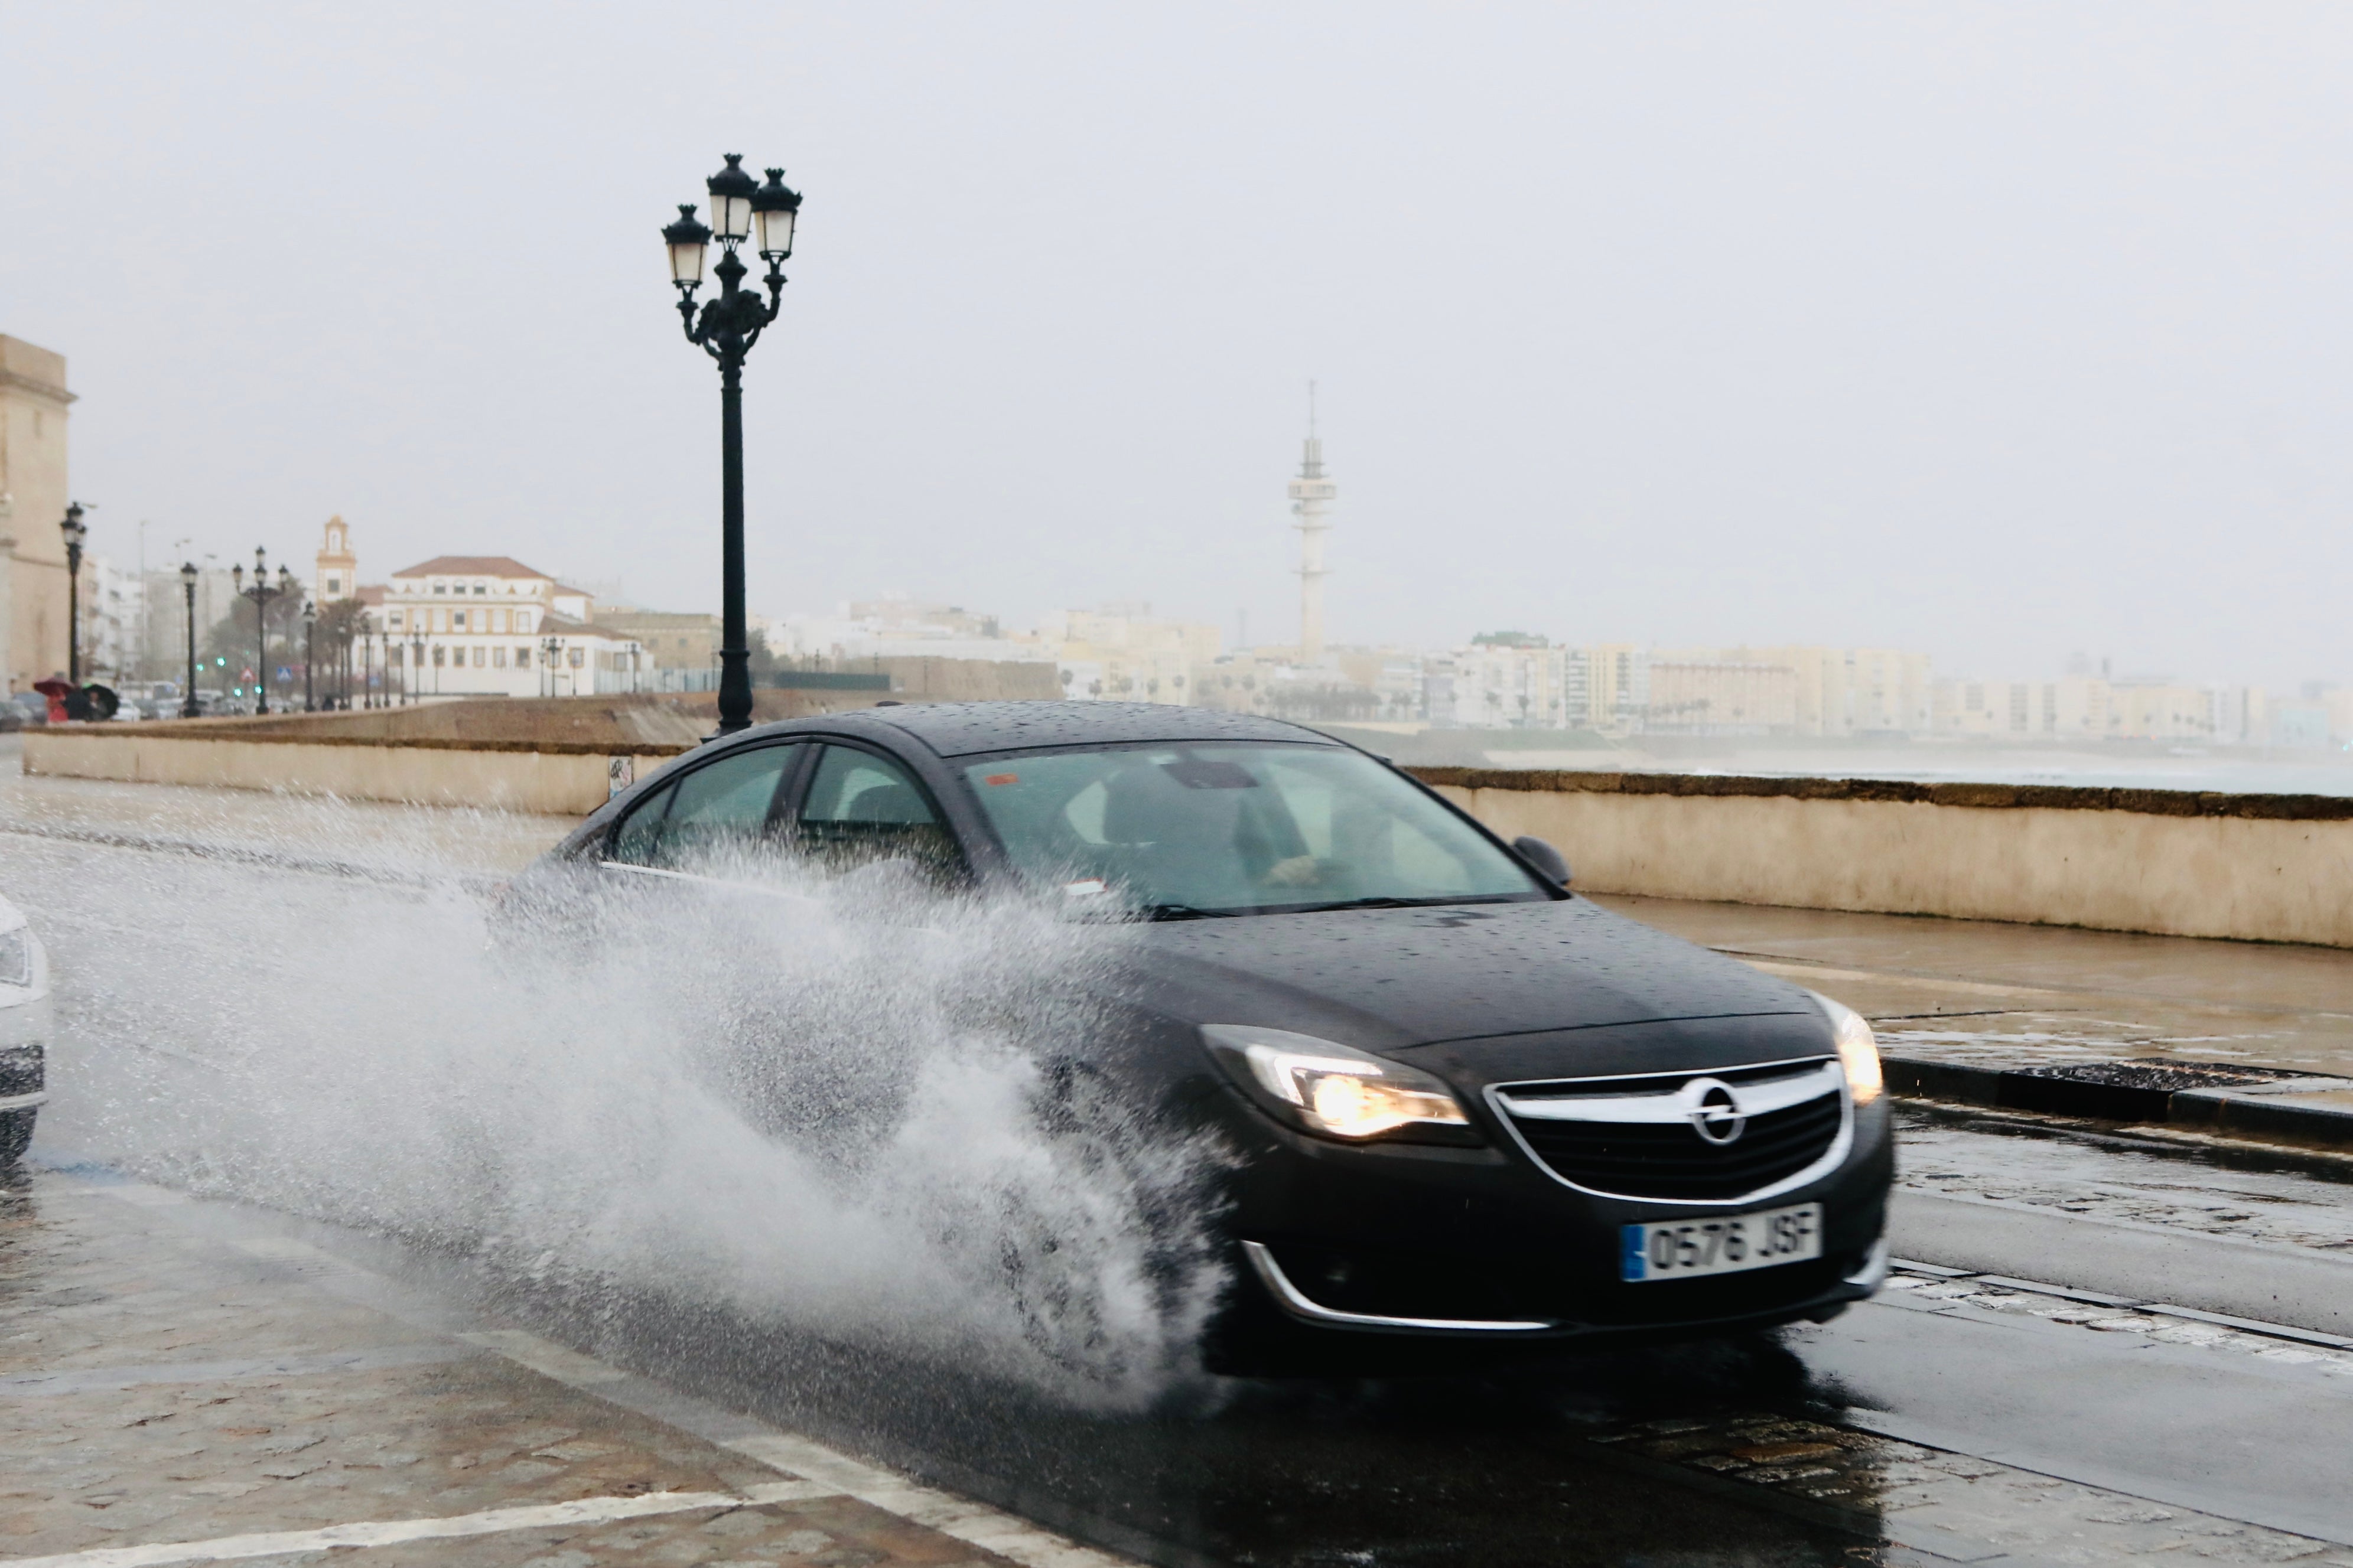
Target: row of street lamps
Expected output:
[261,592]
[724,327]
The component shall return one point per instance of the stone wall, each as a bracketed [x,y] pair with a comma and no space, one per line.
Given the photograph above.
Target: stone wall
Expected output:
[562,778]
[2256,866]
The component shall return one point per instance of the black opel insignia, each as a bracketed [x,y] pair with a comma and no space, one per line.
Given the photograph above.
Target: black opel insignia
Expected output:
[1469,1105]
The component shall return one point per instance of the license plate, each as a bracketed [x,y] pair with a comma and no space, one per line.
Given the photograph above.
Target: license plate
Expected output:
[1685,1248]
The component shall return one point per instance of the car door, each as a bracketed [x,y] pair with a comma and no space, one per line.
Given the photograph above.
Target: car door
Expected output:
[862,808]
[712,822]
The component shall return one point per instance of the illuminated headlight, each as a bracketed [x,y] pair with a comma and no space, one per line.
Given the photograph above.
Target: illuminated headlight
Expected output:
[1858,1050]
[1336,1090]
[17,957]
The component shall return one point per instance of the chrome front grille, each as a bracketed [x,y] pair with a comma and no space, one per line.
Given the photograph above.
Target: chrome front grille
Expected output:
[1712,1137]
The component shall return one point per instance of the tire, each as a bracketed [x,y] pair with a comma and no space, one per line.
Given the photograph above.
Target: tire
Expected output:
[16,1136]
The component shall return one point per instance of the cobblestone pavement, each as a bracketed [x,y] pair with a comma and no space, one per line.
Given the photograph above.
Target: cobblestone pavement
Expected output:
[204,1396]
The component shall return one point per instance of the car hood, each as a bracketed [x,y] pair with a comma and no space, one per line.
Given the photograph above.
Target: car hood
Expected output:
[1387,980]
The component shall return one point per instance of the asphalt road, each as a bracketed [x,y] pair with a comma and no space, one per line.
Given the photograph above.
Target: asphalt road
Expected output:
[2109,1351]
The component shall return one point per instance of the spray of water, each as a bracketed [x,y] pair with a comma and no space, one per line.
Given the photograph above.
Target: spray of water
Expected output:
[852,1106]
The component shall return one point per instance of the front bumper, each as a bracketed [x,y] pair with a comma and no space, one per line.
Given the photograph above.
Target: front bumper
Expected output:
[1480,1244]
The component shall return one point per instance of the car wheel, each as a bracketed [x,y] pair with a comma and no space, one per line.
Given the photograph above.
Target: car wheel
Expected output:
[16,1136]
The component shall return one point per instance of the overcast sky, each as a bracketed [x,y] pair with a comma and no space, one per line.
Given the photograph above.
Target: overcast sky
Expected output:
[1998,331]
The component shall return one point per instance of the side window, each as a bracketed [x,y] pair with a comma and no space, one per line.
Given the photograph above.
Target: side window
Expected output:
[861,808]
[721,808]
[724,808]
[639,840]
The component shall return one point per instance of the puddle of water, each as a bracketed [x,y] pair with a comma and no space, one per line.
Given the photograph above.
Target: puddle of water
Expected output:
[2054,1171]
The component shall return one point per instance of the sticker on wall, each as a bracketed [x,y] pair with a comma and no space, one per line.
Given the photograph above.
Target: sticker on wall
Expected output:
[620,773]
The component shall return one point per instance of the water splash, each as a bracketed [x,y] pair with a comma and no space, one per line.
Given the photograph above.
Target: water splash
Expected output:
[855,1109]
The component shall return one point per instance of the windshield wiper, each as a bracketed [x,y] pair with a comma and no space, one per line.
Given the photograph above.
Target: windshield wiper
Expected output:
[1178,912]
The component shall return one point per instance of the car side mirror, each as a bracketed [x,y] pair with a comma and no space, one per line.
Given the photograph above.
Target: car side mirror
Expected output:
[1543,857]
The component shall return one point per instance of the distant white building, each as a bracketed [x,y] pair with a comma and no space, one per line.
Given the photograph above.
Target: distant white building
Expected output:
[113,617]
[898,626]
[480,626]
[485,626]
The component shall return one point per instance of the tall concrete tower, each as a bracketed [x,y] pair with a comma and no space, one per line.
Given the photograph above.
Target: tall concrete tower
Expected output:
[1312,495]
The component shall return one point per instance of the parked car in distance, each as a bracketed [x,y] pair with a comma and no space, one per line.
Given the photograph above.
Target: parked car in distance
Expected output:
[24,1020]
[1466,1106]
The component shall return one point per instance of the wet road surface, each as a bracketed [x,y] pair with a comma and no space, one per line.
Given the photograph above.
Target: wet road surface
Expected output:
[184,1371]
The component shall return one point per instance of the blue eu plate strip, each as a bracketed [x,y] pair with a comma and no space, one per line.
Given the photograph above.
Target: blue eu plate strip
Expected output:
[1632,1263]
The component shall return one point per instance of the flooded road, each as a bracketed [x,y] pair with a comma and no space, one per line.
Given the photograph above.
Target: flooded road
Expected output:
[2097,1352]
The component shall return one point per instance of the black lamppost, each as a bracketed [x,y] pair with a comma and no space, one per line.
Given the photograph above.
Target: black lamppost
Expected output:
[725,329]
[261,592]
[75,532]
[310,653]
[188,705]
[549,648]
[415,666]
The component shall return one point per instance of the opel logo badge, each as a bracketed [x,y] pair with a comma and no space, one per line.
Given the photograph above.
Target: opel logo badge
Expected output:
[1717,1117]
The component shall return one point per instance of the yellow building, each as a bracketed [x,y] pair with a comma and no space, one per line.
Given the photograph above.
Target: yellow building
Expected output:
[1721,697]
[32,496]
[1120,653]
[1853,690]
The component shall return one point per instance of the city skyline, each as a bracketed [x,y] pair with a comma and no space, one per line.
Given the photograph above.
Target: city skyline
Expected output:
[1896,338]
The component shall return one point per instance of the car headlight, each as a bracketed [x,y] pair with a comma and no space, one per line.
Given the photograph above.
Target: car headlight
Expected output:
[1337,1091]
[17,957]
[1858,1049]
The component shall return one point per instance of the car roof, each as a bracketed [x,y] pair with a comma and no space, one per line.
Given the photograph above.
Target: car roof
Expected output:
[966,728]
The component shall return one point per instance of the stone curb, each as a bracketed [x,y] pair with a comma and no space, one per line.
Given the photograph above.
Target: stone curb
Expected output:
[2308,1112]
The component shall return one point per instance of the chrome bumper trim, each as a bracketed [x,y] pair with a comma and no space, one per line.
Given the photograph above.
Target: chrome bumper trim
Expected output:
[1873,1272]
[1299,1305]
[1759,1099]
[23,1101]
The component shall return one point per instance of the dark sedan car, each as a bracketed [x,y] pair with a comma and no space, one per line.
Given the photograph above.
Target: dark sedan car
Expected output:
[1467,1104]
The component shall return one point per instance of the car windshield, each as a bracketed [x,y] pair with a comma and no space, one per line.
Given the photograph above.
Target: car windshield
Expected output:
[1229,828]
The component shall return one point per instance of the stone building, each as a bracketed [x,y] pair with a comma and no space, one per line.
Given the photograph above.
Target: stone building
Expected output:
[32,495]
[673,640]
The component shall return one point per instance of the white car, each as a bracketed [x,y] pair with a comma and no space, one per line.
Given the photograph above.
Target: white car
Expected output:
[24,1031]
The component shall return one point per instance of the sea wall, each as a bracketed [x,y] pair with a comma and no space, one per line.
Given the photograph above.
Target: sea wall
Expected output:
[559,777]
[2263,868]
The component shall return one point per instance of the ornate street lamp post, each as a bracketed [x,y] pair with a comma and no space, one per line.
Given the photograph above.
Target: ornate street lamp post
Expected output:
[189,708]
[261,592]
[415,666]
[310,653]
[549,647]
[76,532]
[725,329]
